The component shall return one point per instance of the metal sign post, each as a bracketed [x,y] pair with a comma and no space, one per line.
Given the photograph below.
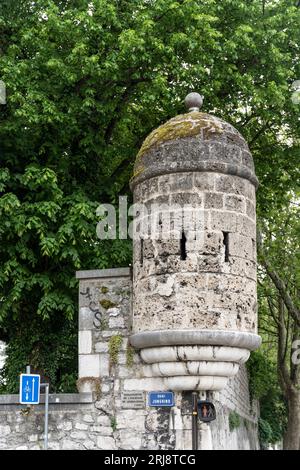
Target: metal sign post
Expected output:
[30,395]
[195,421]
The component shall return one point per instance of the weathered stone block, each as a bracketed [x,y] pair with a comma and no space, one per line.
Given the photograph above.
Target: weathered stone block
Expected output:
[181,182]
[213,200]
[165,248]
[67,444]
[116,322]
[86,318]
[78,435]
[250,192]
[246,227]
[225,153]
[196,282]
[230,184]
[144,384]
[241,246]
[65,425]
[103,420]
[101,347]
[54,445]
[104,365]
[250,209]
[130,441]
[175,264]
[106,443]
[4,430]
[247,160]
[81,427]
[89,365]
[235,203]
[186,199]
[209,263]
[88,418]
[148,249]
[223,221]
[85,342]
[165,286]
[89,444]
[204,181]
[126,420]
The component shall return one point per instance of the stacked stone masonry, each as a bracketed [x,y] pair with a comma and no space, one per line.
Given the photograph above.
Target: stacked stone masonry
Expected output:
[98,417]
[219,294]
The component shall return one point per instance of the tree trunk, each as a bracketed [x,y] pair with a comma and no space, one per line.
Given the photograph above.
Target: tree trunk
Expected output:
[291,440]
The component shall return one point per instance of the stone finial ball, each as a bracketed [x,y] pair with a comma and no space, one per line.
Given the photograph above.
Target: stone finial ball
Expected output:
[193,101]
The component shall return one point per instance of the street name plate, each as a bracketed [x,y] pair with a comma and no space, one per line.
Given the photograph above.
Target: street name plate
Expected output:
[133,400]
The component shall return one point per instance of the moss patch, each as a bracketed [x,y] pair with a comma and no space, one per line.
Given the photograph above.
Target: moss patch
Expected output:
[129,356]
[184,125]
[113,423]
[106,303]
[114,347]
[104,289]
[234,421]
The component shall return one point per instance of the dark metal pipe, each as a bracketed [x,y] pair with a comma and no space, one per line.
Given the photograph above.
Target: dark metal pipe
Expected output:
[195,421]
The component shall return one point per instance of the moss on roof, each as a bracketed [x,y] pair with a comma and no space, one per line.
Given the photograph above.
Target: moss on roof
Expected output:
[184,125]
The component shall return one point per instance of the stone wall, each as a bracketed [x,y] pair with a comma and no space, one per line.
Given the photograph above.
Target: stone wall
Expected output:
[111,410]
[74,423]
[105,324]
[80,421]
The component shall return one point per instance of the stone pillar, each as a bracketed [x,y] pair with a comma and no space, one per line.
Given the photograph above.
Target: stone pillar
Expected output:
[104,320]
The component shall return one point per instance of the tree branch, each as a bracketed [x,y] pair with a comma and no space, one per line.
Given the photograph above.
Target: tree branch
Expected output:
[261,130]
[123,99]
[283,371]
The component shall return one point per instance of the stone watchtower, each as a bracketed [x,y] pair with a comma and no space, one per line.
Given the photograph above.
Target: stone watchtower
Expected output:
[194,277]
[184,318]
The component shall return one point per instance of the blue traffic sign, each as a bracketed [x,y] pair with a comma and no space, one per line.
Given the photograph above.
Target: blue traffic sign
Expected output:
[161,399]
[30,389]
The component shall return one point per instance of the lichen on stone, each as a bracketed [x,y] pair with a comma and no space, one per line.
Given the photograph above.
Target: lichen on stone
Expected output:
[184,125]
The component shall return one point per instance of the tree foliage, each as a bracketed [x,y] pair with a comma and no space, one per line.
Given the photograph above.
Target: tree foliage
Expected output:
[86,81]
[263,385]
[279,287]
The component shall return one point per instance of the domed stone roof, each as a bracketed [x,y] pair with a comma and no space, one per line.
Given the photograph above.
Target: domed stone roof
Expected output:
[194,141]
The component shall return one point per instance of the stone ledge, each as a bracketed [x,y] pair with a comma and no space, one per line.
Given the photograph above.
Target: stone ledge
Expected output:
[149,339]
[54,398]
[103,273]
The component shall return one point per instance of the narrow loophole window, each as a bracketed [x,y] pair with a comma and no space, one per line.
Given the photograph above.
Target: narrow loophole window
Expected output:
[226,244]
[183,246]
[142,252]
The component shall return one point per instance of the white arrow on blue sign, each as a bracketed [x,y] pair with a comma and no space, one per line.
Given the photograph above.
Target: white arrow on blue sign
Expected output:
[30,389]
